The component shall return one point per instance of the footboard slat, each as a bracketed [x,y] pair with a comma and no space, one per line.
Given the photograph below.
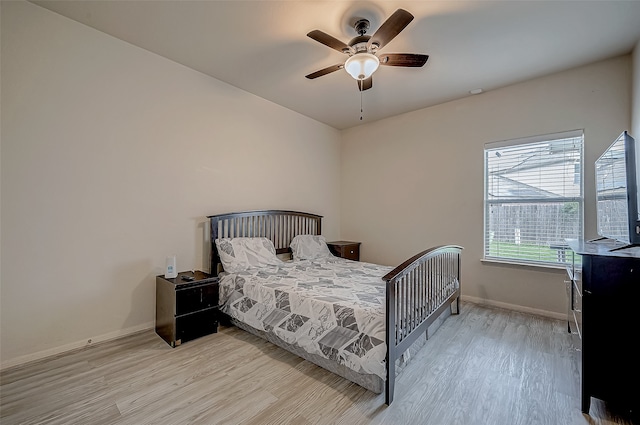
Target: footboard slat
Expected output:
[418,291]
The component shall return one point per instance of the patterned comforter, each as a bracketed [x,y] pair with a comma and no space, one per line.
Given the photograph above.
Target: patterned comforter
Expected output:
[331,307]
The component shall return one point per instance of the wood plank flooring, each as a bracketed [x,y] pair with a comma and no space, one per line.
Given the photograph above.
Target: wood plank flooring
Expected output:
[484,366]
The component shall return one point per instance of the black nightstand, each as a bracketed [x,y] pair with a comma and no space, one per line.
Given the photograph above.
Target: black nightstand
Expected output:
[186,309]
[345,249]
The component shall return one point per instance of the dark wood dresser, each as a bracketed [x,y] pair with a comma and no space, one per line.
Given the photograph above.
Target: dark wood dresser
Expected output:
[345,249]
[602,289]
[186,309]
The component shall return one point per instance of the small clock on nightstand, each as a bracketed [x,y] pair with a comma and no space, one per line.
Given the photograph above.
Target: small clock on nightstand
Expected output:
[345,249]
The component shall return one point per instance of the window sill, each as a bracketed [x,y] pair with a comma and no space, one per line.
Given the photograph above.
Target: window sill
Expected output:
[525,264]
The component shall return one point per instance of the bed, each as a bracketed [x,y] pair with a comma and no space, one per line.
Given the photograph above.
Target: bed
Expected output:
[356,319]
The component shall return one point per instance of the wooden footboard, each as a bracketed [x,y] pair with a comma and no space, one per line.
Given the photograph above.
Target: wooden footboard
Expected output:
[418,291]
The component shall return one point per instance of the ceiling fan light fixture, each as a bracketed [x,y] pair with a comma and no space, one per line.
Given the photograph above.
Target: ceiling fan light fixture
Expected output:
[362,65]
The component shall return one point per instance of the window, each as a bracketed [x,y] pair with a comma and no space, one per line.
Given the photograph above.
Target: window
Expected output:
[533,198]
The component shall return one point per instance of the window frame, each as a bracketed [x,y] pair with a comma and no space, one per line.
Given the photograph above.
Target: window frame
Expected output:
[562,258]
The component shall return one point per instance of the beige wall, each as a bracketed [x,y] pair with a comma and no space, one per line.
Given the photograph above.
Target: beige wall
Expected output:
[111,159]
[416,180]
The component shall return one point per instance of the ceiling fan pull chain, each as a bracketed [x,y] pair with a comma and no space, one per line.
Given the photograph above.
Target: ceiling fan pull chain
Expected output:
[362,82]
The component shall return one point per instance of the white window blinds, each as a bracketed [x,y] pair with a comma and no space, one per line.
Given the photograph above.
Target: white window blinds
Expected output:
[533,198]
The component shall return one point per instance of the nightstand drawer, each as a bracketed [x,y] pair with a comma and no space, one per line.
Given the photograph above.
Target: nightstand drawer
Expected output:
[351,252]
[196,298]
[195,325]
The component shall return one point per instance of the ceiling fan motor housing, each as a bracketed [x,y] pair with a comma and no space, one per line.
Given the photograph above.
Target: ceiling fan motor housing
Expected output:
[361,26]
[359,43]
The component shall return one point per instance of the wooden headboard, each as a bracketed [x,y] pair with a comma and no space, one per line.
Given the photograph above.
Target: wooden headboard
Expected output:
[277,225]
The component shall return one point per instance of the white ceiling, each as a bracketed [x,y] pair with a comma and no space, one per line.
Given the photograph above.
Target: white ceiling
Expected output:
[262,47]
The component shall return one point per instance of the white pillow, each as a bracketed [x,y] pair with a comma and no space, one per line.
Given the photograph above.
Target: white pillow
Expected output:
[240,254]
[309,247]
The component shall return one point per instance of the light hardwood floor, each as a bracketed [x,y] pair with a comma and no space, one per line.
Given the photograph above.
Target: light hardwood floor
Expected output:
[484,366]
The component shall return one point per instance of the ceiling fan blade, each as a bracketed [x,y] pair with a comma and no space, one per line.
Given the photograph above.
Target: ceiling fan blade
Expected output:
[390,28]
[324,71]
[365,84]
[403,59]
[327,40]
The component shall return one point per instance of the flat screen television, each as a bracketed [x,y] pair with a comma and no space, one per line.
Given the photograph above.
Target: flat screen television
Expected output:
[617,200]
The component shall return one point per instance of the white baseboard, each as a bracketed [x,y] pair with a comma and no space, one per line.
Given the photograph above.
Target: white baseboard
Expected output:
[150,325]
[515,307]
[18,361]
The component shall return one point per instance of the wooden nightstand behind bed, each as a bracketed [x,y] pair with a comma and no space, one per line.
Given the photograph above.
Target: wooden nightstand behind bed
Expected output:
[345,249]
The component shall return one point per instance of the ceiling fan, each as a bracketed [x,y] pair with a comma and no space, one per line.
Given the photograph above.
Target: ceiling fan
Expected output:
[364,58]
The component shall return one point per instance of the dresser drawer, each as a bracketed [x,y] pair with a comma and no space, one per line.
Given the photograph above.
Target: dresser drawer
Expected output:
[575,327]
[576,306]
[577,323]
[577,280]
[576,302]
[575,312]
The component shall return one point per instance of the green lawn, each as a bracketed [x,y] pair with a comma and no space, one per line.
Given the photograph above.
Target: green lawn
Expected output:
[525,252]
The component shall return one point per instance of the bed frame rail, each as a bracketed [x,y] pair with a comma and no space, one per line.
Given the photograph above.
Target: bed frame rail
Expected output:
[418,292]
